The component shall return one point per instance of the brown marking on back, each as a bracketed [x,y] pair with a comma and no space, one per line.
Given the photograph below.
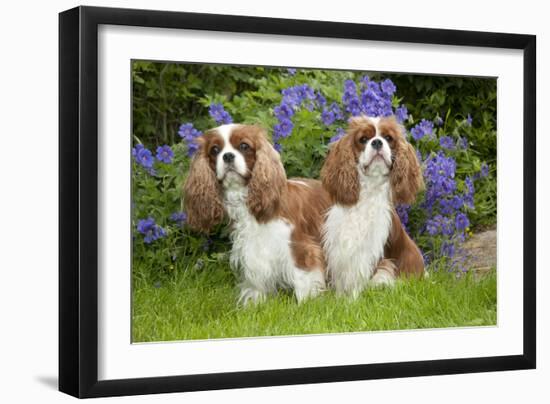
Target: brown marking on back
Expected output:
[305,209]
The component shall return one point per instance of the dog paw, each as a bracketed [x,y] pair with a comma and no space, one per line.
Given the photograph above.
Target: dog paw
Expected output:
[249,295]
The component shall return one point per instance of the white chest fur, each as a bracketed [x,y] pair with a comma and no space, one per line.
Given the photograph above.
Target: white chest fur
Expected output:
[354,236]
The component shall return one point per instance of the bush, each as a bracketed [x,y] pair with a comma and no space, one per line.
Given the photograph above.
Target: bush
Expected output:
[450,120]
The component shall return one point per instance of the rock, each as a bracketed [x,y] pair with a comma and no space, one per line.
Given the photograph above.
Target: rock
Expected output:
[480,251]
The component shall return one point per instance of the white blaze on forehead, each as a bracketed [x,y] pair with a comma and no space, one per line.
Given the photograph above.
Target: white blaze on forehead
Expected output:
[239,163]
[375,121]
[225,132]
[369,152]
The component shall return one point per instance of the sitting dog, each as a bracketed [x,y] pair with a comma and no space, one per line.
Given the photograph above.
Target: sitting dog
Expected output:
[275,223]
[369,170]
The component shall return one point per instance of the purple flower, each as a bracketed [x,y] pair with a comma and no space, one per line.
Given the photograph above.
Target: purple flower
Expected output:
[438,121]
[353,106]
[144,157]
[484,170]
[219,114]
[463,143]
[283,111]
[446,226]
[447,142]
[283,129]
[424,128]
[432,226]
[374,87]
[350,87]
[448,249]
[469,120]
[469,196]
[189,135]
[364,81]
[165,154]
[291,71]
[320,99]
[469,186]
[178,217]
[401,114]
[136,149]
[150,230]
[461,221]
[278,147]
[388,87]
[457,202]
[328,117]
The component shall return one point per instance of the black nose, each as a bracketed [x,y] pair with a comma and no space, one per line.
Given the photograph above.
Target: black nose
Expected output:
[376,144]
[228,157]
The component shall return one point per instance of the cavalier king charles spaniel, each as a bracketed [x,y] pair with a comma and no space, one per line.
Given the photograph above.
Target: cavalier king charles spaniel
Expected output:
[367,172]
[275,223]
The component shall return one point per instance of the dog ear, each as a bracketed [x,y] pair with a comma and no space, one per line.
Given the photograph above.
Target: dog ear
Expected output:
[268,181]
[339,172]
[406,175]
[202,195]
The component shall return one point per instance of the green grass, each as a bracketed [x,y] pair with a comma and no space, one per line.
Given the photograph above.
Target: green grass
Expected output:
[201,304]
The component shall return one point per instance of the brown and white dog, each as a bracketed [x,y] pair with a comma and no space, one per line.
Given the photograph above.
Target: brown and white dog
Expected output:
[275,223]
[369,170]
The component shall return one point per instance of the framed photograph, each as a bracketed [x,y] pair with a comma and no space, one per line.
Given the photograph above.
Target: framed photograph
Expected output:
[251,201]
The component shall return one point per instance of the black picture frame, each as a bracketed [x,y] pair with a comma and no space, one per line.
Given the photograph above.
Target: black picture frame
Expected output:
[78,201]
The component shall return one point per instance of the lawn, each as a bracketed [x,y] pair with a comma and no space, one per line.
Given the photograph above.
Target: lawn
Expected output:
[200,303]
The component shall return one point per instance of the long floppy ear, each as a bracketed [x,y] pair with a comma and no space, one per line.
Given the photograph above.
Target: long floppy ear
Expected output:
[339,173]
[202,199]
[268,181]
[406,174]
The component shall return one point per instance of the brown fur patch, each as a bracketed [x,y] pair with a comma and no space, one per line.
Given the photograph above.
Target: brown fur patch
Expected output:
[406,175]
[201,193]
[403,251]
[267,183]
[305,208]
[339,172]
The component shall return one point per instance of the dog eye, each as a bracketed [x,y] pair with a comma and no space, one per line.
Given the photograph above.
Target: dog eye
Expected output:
[244,147]
[214,151]
[363,140]
[388,138]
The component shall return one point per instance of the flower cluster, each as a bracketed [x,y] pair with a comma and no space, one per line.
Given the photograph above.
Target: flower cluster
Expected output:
[293,98]
[424,128]
[372,98]
[331,114]
[445,206]
[150,230]
[145,158]
[189,135]
[220,115]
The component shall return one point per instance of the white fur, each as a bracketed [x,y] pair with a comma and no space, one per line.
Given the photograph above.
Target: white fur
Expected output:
[354,237]
[261,251]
